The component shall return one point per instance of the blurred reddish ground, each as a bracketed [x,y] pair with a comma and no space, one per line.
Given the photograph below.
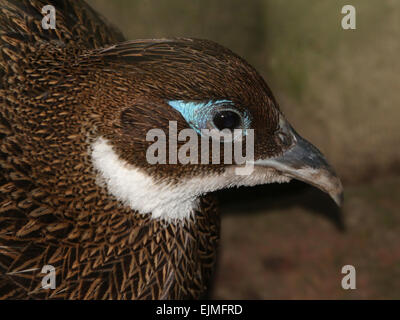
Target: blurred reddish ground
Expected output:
[291,244]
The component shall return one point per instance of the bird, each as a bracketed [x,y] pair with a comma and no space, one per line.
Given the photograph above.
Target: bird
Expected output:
[76,190]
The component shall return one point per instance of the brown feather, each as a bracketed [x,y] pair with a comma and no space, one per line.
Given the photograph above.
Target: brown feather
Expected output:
[59,90]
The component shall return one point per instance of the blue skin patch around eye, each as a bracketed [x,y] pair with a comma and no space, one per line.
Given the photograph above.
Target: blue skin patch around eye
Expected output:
[197,114]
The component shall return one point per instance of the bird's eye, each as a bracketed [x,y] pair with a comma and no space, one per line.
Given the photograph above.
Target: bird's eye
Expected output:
[213,114]
[227,119]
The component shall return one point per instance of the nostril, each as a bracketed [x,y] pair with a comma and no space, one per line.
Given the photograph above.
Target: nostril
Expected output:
[284,139]
[284,134]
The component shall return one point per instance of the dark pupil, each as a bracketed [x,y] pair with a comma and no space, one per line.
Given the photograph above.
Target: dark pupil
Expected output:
[227,120]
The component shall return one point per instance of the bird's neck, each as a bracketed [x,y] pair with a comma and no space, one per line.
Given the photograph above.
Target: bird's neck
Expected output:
[139,191]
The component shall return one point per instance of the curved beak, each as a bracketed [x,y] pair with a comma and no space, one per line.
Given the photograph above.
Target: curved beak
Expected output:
[305,162]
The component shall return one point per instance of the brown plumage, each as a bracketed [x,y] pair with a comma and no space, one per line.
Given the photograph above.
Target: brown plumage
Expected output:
[61,90]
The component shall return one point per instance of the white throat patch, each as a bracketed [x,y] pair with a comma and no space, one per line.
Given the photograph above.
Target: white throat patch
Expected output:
[171,202]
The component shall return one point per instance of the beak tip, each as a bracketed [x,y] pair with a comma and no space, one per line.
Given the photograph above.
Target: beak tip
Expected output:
[338,198]
[336,192]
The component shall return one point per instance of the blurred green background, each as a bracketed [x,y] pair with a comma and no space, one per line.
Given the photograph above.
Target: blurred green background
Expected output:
[340,90]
